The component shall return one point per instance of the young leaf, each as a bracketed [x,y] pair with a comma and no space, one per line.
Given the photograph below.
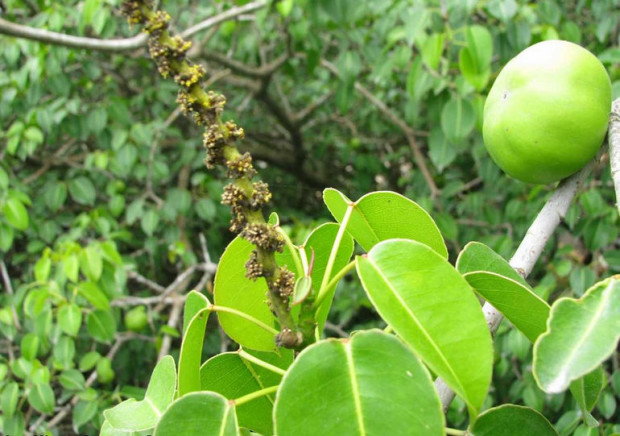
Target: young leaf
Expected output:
[511,420]
[232,376]
[522,307]
[191,353]
[580,335]
[132,415]
[16,214]
[232,289]
[70,319]
[197,413]
[379,216]
[194,303]
[476,256]
[431,306]
[371,384]
[101,325]
[587,390]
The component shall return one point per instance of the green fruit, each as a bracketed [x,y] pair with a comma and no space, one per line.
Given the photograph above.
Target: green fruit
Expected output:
[136,319]
[105,373]
[547,112]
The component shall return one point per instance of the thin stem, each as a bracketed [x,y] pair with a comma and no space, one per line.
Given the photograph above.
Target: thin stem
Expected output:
[339,275]
[295,252]
[261,393]
[332,256]
[245,316]
[247,356]
[454,431]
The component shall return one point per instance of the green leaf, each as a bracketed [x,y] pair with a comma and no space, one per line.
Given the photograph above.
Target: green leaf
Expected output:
[82,191]
[91,262]
[71,267]
[42,268]
[149,222]
[458,119]
[41,397]
[232,376]
[94,295]
[9,398]
[34,134]
[16,214]
[321,241]
[29,346]
[476,256]
[232,289]
[581,334]
[431,50]
[429,304]
[4,179]
[72,380]
[132,415]
[64,351]
[83,412]
[55,196]
[191,353]
[587,390]
[205,413]
[379,216]
[371,384]
[89,360]
[519,304]
[194,303]
[503,10]
[511,420]
[441,151]
[303,286]
[6,237]
[101,325]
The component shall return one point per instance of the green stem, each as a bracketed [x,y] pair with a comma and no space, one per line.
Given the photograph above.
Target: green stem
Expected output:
[245,316]
[295,252]
[339,275]
[247,356]
[332,256]
[454,431]
[261,393]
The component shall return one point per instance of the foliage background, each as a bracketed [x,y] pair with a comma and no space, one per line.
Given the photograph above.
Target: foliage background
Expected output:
[104,195]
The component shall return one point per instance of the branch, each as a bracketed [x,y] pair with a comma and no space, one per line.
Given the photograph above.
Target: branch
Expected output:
[119,44]
[529,251]
[614,147]
[9,290]
[408,131]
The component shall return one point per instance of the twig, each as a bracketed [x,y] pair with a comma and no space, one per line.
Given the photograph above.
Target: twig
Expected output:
[146,282]
[173,320]
[614,148]
[9,290]
[529,251]
[119,44]
[408,131]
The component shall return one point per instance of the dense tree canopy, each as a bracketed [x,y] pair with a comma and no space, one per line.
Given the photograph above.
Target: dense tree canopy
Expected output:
[106,204]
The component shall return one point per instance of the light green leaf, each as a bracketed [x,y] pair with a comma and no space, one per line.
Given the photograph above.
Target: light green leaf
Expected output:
[64,351]
[149,222]
[82,190]
[9,398]
[232,376]
[29,346]
[379,216]
[519,304]
[431,306]
[94,295]
[191,353]
[83,412]
[587,390]
[91,262]
[72,380]
[6,237]
[431,50]
[581,334]
[204,413]
[71,267]
[476,256]
[232,289]
[194,303]
[16,214]
[371,384]
[441,151]
[511,420]
[458,119]
[132,415]
[42,268]
[41,397]
[101,325]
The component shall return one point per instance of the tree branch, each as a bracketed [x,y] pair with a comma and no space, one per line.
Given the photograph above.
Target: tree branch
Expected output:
[119,44]
[408,131]
[614,147]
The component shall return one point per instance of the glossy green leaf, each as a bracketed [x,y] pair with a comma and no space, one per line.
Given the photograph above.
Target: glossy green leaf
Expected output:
[41,397]
[321,241]
[9,398]
[232,376]
[586,391]
[458,118]
[191,353]
[371,384]
[82,190]
[303,286]
[431,306]
[132,415]
[205,413]
[16,214]
[70,319]
[379,216]
[91,262]
[476,256]
[512,420]
[232,289]
[71,267]
[29,346]
[101,325]
[521,306]
[94,295]
[194,303]
[42,269]
[581,334]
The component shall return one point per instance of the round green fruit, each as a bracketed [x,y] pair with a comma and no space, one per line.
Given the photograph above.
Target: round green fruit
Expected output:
[547,112]
[136,319]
